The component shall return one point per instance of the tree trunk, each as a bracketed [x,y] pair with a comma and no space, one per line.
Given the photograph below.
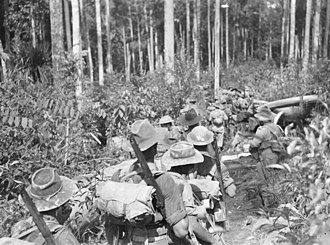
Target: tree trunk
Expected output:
[209,38]
[140,49]
[67,25]
[148,36]
[3,65]
[109,68]
[132,38]
[245,46]
[326,32]
[196,37]
[6,27]
[57,34]
[76,48]
[316,32]
[169,38]
[283,33]
[188,27]
[33,26]
[292,29]
[158,65]
[222,34]
[307,34]
[217,48]
[152,53]
[87,41]
[128,70]
[259,28]
[99,41]
[227,39]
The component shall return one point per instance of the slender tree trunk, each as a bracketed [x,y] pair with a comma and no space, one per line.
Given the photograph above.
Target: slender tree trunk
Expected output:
[307,34]
[326,32]
[292,29]
[126,55]
[283,33]
[252,45]
[316,32]
[227,39]
[287,30]
[209,38]
[198,39]
[148,36]
[140,49]
[259,46]
[67,25]
[222,34]
[182,46]
[99,41]
[87,41]
[158,66]
[245,31]
[129,56]
[57,34]
[132,38]
[6,27]
[169,38]
[270,42]
[76,48]
[33,26]
[217,48]
[109,68]
[3,65]
[152,53]
[188,27]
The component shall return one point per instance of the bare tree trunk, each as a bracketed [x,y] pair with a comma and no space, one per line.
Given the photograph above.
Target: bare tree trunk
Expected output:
[222,34]
[307,34]
[109,68]
[292,29]
[132,38]
[209,38]
[316,32]
[140,49]
[283,33]
[217,48]
[57,34]
[245,46]
[152,53]
[6,27]
[99,41]
[126,55]
[3,65]
[33,26]
[326,32]
[259,27]
[76,48]
[158,66]
[148,36]
[128,71]
[227,39]
[198,40]
[196,37]
[188,27]
[169,38]
[67,25]
[270,41]
[86,38]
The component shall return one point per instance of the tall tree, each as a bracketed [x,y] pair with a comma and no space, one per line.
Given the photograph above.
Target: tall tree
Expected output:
[109,68]
[307,34]
[188,27]
[316,31]
[217,48]
[67,25]
[57,33]
[131,36]
[209,38]
[326,32]
[227,38]
[99,41]
[197,5]
[292,29]
[284,26]
[76,48]
[152,53]
[87,41]
[169,38]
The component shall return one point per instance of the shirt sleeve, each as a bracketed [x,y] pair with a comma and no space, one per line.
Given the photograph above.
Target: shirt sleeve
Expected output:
[174,207]
[260,135]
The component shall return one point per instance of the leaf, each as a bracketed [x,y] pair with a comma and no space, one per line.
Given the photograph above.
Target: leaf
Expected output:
[274,238]
[275,166]
[17,121]
[260,223]
[24,122]
[30,123]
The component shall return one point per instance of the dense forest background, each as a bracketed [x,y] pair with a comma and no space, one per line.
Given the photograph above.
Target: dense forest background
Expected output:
[76,73]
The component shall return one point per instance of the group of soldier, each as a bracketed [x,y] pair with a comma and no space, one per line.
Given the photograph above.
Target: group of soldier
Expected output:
[183,161]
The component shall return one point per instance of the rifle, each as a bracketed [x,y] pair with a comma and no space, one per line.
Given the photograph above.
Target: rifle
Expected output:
[148,176]
[37,218]
[222,188]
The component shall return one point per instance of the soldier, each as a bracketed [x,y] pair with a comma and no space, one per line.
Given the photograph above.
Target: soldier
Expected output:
[51,194]
[180,158]
[155,231]
[265,144]
[202,138]
[166,122]
[189,120]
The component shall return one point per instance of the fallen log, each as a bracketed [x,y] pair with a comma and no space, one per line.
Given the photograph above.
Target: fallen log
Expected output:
[293,101]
